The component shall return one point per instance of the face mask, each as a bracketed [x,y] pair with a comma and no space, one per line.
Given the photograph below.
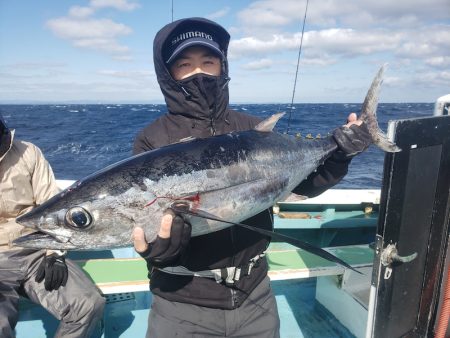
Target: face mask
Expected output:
[204,86]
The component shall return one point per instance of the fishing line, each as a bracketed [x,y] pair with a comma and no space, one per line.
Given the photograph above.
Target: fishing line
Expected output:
[184,209]
[296,72]
[172,10]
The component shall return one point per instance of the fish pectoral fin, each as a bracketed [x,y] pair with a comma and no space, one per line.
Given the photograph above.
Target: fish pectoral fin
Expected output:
[292,197]
[291,240]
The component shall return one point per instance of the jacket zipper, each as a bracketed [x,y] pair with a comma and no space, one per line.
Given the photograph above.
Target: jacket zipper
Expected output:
[233,292]
[233,296]
[212,127]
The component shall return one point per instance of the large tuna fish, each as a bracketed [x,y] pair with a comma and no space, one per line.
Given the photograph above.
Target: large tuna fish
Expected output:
[229,177]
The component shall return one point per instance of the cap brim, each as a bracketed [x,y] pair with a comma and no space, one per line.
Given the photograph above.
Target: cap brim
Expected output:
[192,42]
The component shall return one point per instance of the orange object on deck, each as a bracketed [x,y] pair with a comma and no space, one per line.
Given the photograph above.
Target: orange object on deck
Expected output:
[445,311]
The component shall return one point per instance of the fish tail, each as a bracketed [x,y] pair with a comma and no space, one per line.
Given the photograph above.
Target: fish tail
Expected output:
[369,114]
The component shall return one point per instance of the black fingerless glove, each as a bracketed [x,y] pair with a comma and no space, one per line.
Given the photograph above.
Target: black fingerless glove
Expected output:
[54,270]
[352,141]
[163,252]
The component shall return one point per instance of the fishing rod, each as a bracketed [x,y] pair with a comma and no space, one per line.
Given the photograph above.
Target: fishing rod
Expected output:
[296,72]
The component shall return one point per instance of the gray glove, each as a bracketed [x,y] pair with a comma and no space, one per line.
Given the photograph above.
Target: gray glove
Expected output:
[54,270]
[354,140]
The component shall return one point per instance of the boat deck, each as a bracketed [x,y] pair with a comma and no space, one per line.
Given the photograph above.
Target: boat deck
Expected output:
[125,285]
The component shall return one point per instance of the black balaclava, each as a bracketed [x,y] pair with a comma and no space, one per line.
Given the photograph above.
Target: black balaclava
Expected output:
[5,137]
[200,96]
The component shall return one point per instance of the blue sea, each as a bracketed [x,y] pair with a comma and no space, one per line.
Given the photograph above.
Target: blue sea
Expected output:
[80,139]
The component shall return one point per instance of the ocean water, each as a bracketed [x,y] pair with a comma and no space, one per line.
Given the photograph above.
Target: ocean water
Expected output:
[79,139]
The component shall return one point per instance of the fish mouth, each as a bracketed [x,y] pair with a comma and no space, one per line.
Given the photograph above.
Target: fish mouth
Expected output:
[41,240]
[25,221]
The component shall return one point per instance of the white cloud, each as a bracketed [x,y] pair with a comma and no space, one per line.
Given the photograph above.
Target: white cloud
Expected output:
[47,81]
[441,76]
[445,76]
[270,13]
[105,45]
[219,14]
[259,64]
[96,34]
[126,74]
[122,5]
[318,60]
[252,45]
[427,79]
[438,61]
[31,70]
[260,15]
[27,66]
[403,30]
[69,28]
[332,41]
[392,80]
[123,57]
[43,90]
[427,42]
[351,42]
[81,12]
[429,45]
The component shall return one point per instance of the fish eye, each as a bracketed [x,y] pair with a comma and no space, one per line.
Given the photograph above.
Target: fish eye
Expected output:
[78,218]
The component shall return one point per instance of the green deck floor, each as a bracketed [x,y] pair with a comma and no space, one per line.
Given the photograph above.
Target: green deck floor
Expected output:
[280,257]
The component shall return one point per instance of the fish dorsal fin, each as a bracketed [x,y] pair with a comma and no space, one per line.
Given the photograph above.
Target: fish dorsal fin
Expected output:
[268,124]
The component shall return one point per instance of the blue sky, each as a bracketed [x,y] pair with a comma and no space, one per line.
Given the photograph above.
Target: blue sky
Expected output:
[100,51]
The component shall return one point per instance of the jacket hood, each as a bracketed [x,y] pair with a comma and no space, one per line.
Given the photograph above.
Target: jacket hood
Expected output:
[6,143]
[182,97]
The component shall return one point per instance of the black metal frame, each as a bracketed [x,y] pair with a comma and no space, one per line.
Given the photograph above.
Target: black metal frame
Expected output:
[414,215]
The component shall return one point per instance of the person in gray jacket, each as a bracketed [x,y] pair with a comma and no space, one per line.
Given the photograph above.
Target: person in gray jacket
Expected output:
[43,276]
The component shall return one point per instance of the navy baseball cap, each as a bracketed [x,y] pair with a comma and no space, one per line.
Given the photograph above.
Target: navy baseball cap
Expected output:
[188,37]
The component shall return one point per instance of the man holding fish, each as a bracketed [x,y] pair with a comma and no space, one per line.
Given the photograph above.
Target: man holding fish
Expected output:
[215,284]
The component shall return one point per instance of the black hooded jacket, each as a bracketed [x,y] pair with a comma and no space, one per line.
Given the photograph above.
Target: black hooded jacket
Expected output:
[198,107]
